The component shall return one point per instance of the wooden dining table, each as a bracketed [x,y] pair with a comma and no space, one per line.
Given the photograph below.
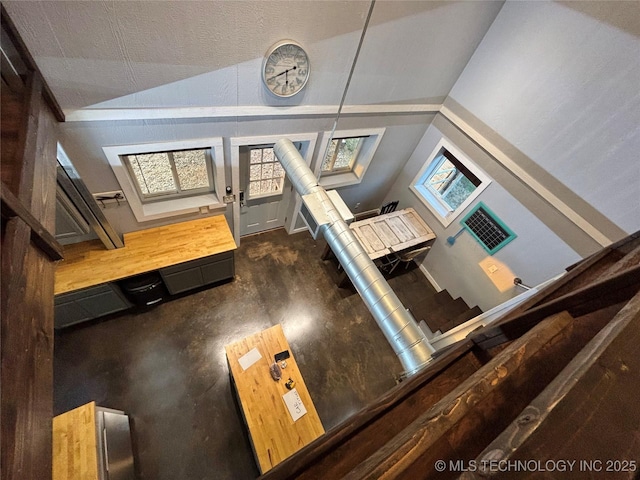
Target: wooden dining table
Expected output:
[382,235]
[392,232]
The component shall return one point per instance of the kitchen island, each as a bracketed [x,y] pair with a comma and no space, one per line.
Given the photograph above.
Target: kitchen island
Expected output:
[273,432]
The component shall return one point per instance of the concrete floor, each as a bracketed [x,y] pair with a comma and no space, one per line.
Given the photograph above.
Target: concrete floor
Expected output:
[166,366]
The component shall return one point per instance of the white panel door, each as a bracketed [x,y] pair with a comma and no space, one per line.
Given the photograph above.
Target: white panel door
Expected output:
[266,191]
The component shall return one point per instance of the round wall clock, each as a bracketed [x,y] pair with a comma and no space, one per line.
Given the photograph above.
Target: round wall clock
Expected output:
[285,69]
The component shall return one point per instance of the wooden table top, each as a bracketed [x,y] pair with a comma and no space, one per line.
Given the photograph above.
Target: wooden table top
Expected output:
[87,264]
[75,448]
[274,435]
[392,232]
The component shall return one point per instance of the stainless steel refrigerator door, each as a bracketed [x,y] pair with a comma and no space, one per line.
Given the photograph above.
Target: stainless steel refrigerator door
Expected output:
[117,447]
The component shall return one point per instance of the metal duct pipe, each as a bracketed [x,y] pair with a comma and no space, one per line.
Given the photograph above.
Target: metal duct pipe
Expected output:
[398,325]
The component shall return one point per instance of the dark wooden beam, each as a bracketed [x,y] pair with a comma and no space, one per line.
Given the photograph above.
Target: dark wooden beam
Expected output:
[506,373]
[26,319]
[588,413]
[18,43]
[28,139]
[26,311]
[12,207]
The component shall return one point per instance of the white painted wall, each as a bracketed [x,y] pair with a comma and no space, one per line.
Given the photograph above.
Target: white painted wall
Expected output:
[406,38]
[83,141]
[97,51]
[559,81]
[416,57]
[536,255]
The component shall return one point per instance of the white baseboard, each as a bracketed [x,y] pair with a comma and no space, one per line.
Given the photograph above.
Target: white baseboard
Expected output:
[364,215]
[432,280]
[298,230]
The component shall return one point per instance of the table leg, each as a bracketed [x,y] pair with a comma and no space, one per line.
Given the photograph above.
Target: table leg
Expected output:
[327,253]
[343,280]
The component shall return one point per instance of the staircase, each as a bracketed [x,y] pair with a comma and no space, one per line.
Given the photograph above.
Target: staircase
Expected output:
[442,312]
[439,311]
[555,379]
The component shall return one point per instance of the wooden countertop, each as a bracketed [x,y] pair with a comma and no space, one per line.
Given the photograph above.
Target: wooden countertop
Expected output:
[75,449]
[274,435]
[89,263]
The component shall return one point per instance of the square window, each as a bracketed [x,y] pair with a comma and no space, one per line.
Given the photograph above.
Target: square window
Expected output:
[345,158]
[448,182]
[342,155]
[159,175]
[164,179]
[152,172]
[487,228]
[191,167]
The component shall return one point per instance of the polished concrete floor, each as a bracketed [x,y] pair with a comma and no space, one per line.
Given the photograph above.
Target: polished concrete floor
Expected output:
[166,366]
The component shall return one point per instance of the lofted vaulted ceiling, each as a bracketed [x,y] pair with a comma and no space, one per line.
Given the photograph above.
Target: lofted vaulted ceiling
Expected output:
[107,52]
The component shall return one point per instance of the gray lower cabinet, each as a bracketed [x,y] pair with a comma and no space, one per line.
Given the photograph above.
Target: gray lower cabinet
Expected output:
[88,303]
[197,273]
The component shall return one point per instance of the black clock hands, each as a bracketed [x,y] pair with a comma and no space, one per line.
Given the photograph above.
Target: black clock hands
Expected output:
[283,73]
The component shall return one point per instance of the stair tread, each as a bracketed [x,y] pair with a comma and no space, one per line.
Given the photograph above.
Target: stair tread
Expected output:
[430,302]
[442,314]
[460,319]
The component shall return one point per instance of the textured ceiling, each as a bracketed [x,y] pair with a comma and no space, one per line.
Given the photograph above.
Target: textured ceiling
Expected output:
[94,51]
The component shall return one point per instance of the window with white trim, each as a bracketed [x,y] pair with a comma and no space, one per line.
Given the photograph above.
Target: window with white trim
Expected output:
[448,182]
[161,175]
[348,156]
[161,180]
[342,155]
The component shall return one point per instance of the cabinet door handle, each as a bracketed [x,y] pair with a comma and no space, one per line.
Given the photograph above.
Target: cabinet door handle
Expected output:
[106,449]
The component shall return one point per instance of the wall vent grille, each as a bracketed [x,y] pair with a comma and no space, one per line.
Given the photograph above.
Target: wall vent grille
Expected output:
[487,228]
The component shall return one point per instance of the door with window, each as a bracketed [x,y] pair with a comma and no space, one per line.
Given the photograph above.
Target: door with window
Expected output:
[266,190]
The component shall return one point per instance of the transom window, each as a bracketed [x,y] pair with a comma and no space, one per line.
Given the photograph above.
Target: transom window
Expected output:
[159,175]
[342,155]
[266,175]
[448,182]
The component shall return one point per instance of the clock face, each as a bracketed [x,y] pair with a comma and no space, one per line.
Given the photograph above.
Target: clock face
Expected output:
[285,69]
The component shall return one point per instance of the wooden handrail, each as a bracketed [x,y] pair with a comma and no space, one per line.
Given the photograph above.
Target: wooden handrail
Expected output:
[613,289]
[571,391]
[488,397]
[291,467]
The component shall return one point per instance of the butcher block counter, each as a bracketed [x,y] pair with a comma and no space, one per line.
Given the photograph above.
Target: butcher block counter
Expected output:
[273,432]
[75,446]
[88,264]
[92,443]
